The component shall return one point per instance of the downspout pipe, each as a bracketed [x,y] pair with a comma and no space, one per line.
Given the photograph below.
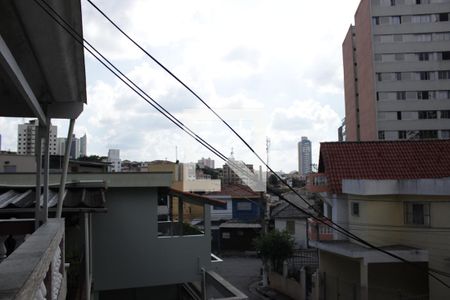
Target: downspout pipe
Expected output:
[62,185]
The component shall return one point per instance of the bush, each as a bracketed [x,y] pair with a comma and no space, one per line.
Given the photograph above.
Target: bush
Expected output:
[275,247]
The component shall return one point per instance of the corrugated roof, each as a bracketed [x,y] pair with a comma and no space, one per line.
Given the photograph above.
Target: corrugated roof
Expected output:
[383,160]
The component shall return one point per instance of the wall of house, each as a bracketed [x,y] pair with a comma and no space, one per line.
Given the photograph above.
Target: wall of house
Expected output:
[381,221]
[222,213]
[300,231]
[252,213]
[127,252]
[12,163]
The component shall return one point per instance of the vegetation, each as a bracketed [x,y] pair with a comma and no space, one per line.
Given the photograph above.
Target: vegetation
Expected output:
[275,247]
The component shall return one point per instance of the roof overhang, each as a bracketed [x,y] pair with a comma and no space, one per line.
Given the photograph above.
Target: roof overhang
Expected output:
[355,251]
[42,72]
[195,198]
[368,187]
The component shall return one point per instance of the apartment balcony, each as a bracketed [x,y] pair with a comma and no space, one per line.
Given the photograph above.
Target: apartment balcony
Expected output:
[316,183]
[35,269]
[319,230]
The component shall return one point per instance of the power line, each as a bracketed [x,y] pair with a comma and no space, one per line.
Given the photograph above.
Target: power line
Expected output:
[179,124]
[348,233]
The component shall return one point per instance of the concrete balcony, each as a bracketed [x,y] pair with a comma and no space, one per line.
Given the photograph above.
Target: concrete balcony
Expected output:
[35,269]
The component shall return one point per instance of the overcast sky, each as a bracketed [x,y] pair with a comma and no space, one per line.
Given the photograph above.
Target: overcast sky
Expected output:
[270,68]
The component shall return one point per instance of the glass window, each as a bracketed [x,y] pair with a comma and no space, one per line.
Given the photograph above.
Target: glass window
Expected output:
[423,95]
[290,226]
[401,95]
[381,135]
[417,213]
[244,206]
[428,114]
[355,209]
[443,75]
[395,20]
[445,134]
[428,134]
[423,56]
[443,17]
[402,135]
[445,114]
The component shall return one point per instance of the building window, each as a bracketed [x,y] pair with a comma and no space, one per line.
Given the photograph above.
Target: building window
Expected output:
[290,226]
[399,115]
[355,209]
[443,75]
[423,56]
[445,114]
[401,95]
[427,114]
[381,135]
[417,213]
[445,134]
[423,95]
[376,21]
[225,235]
[396,20]
[443,17]
[446,55]
[424,75]
[402,135]
[428,134]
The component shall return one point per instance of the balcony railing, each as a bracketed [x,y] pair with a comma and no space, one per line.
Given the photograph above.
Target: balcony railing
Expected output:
[318,231]
[34,270]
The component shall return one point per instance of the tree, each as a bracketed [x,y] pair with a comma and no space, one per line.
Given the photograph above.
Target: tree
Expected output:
[275,247]
[273,180]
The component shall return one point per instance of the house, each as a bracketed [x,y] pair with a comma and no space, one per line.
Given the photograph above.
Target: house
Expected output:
[289,218]
[247,207]
[396,196]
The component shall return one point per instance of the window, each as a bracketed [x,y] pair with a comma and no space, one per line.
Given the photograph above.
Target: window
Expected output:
[424,75]
[445,114]
[423,95]
[423,56]
[396,20]
[398,76]
[225,235]
[290,226]
[427,114]
[399,115]
[443,75]
[244,206]
[428,134]
[417,213]
[376,21]
[446,55]
[355,209]
[443,17]
[402,135]
[381,135]
[224,207]
[401,95]
[445,134]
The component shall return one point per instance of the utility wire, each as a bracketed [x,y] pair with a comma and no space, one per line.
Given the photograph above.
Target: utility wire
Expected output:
[160,109]
[348,233]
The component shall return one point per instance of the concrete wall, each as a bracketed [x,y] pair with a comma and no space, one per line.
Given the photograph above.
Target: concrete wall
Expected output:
[287,286]
[127,252]
[381,222]
[21,163]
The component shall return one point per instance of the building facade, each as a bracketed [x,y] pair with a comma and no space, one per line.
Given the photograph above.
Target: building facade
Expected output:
[397,71]
[206,162]
[77,148]
[304,156]
[26,138]
[114,159]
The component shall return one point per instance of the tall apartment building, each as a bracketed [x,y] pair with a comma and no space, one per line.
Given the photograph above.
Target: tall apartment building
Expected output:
[397,70]
[26,138]
[304,156]
[114,159]
[206,162]
[77,148]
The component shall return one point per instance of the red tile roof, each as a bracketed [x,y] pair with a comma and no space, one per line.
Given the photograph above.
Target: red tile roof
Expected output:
[383,160]
[237,191]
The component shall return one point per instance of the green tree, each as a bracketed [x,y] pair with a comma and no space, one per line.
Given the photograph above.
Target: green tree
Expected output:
[275,247]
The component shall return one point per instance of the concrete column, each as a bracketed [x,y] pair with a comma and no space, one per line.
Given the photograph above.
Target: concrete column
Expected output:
[364,279]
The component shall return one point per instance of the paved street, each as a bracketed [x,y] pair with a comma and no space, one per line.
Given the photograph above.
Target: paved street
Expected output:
[241,272]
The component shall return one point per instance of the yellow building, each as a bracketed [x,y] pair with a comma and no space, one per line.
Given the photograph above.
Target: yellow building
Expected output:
[395,196]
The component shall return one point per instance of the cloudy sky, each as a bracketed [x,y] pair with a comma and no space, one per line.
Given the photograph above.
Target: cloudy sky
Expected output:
[270,68]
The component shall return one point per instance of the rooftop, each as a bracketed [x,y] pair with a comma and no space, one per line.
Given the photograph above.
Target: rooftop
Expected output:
[379,160]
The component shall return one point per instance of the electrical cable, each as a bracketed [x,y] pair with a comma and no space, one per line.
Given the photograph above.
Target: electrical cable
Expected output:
[199,139]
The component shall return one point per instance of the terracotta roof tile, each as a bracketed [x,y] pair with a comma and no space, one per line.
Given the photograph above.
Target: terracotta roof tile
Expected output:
[384,160]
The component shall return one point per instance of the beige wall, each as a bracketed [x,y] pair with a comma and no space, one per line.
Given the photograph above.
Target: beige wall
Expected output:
[381,222]
[22,163]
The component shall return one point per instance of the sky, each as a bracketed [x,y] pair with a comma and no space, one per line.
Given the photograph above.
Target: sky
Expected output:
[271,69]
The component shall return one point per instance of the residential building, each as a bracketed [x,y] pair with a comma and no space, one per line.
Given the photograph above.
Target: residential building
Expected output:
[26,138]
[83,146]
[77,147]
[289,218]
[397,71]
[396,196]
[304,156]
[206,162]
[114,159]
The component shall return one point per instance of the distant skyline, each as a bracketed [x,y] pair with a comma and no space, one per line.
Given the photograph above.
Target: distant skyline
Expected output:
[271,69]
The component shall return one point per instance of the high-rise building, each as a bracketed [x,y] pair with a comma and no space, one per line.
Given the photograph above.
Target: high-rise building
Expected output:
[304,156]
[206,162]
[83,146]
[77,148]
[397,70]
[114,159]
[26,138]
